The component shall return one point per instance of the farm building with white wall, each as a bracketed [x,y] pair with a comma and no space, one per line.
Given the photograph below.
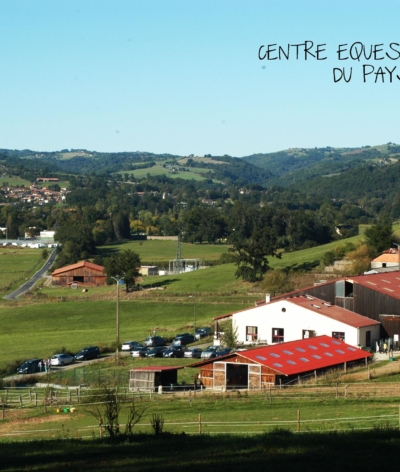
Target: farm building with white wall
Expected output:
[299,318]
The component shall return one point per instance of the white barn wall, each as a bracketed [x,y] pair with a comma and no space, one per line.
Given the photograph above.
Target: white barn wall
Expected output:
[294,319]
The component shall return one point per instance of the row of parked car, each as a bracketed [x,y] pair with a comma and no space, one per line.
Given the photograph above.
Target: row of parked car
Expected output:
[175,350]
[38,365]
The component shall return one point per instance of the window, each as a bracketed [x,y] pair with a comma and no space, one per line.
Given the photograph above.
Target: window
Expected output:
[338,335]
[251,333]
[277,335]
[308,333]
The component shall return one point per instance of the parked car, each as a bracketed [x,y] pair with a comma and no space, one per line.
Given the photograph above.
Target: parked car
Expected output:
[29,367]
[155,341]
[175,351]
[156,351]
[87,353]
[194,352]
[62,359]
[129,345]
[223,352]
[183,339]
[139,351]
[202,333]
[209,352]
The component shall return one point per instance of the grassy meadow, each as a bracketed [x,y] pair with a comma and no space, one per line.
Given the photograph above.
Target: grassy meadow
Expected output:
[279,451]
[153,252]
[42,329]
[193,174]
[17,265]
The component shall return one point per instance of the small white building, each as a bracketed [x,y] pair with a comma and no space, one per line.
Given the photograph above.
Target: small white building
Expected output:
[301,317]
[388,259]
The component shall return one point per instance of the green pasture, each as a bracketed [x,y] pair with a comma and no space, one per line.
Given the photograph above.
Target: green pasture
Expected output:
[156,251]
[42,329]
[278,451]
[17,265]
[15,181]
[232,413]
[193,174]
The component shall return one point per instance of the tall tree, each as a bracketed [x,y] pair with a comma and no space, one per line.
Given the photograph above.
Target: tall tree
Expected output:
[380,237]
[124,264]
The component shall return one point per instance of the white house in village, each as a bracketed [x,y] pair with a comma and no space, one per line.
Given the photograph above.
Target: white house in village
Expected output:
[299,318]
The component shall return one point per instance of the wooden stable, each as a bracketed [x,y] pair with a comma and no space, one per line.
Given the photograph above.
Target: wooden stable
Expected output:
[236,372]
[149,379]
[82,273]
[279,363]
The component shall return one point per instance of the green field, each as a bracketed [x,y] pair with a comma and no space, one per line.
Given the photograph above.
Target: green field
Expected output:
[17,265]
[15,182]
[193,174]
[156,251]
[42,329]
[279,451]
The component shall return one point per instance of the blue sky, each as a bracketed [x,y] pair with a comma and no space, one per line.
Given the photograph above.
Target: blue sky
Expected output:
[183,77]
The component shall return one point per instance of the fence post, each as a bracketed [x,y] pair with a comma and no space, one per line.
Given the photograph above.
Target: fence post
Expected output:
[199,423]
[3,409]
[20,400]
[337,392]
[270,394]
[298,421]
[345,391]
[35,398]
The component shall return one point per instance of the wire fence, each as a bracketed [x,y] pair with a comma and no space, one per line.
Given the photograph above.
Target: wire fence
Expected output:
[203,425]
[52,395]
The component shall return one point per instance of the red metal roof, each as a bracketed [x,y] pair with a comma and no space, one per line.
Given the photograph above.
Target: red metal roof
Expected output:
[158,368]
[386,282]
[78,265]
[305,355]
[332,311]
[322,308]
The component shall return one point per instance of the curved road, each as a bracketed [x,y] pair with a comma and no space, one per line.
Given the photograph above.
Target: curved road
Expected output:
[31,282]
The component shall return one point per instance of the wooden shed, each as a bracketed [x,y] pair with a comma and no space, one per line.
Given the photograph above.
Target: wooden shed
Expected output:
[148,379]
[278,363]
[82,273]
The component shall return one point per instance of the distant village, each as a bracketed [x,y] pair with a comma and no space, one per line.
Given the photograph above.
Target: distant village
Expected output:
[36,193]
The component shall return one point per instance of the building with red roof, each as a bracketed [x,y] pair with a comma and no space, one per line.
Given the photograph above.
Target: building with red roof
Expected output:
[279,364]
[82,273]
[376,296]
[301,317]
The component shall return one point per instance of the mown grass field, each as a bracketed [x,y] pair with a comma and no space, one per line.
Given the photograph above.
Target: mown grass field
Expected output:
[42,329]
[17,265]
[155,251]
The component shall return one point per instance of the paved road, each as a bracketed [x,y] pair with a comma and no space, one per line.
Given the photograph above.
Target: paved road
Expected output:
[31,282]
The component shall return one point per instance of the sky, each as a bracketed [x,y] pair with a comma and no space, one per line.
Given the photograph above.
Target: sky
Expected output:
[185,76]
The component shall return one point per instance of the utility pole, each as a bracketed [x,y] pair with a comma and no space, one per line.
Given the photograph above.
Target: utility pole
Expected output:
[118,280]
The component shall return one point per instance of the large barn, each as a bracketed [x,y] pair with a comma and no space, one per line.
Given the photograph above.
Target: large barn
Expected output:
[84,273]
[376,296]
[278,364]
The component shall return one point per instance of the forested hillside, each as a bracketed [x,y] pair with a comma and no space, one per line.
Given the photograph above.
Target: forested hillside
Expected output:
[261,204]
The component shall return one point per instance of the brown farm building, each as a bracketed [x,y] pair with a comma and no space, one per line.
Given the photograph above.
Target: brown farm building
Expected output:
[82,273]
[278,363]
